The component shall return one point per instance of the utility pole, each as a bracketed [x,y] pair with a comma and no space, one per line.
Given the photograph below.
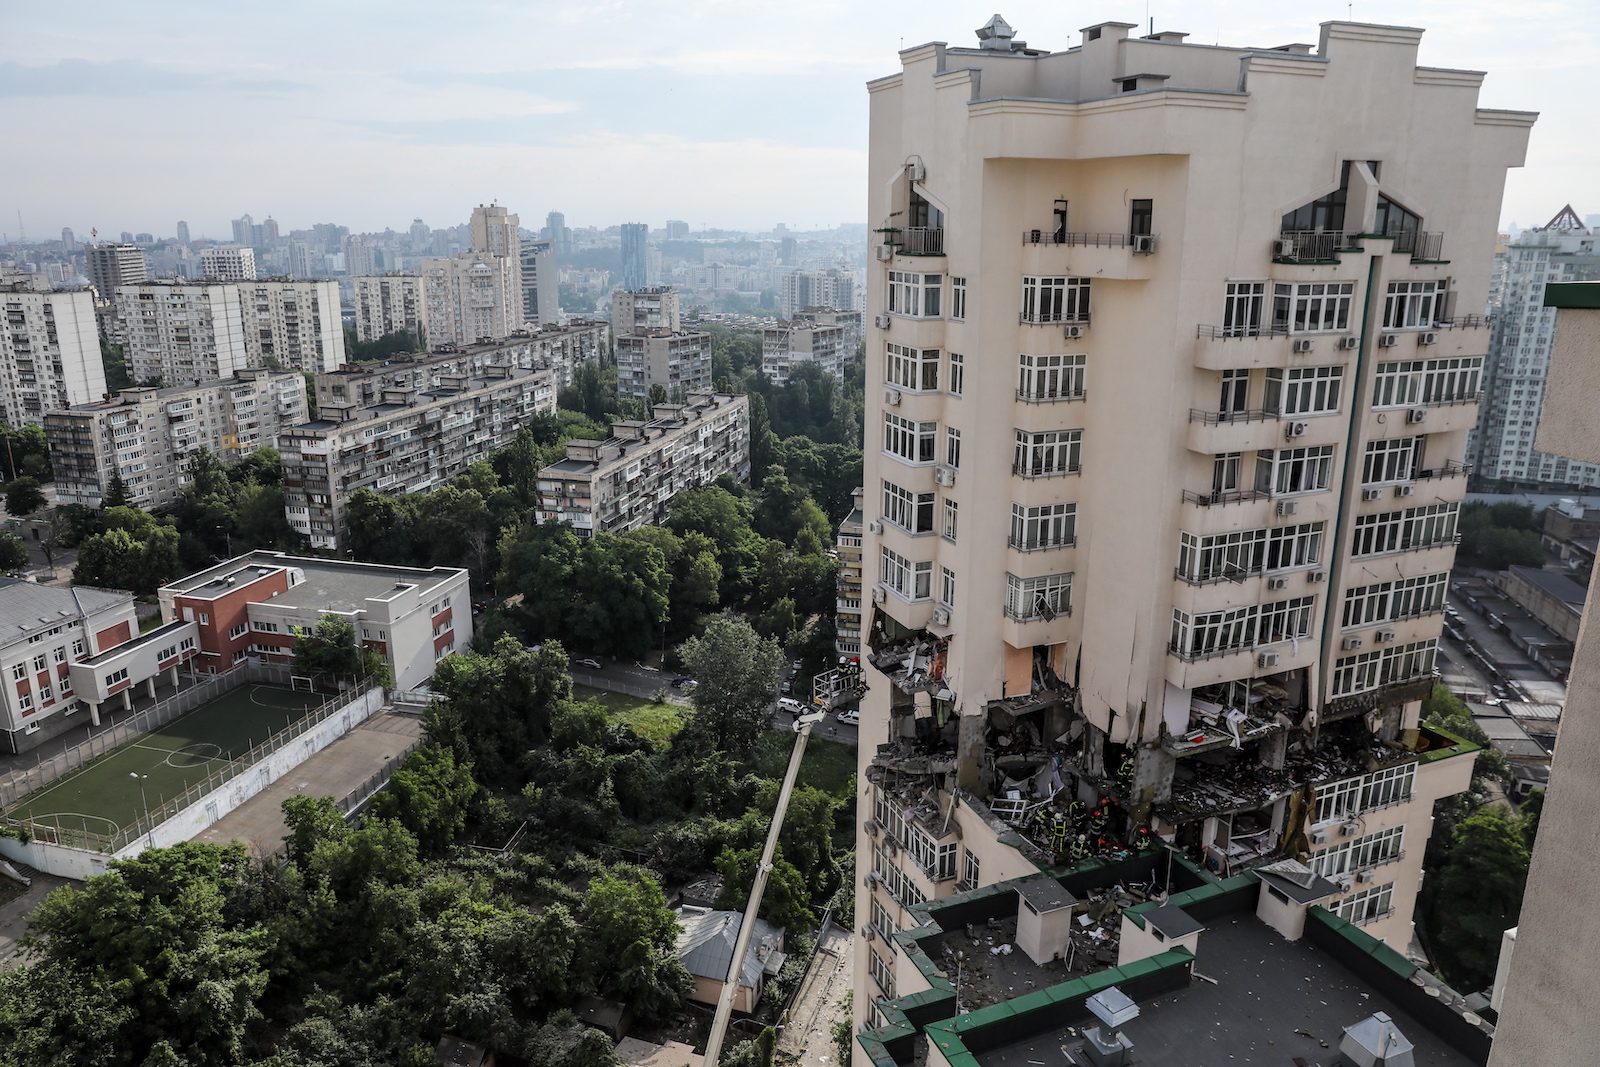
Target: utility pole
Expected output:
[730,985]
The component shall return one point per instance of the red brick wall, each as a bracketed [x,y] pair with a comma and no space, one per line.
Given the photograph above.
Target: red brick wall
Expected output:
[112,636]
[228,610]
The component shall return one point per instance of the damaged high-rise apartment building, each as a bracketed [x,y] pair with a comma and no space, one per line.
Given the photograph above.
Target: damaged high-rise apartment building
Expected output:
[1175,350]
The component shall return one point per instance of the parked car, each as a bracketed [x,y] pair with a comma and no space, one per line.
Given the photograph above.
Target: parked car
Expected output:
[849,717]
[796,665]
[787,687]
[684,683]
[791,705]
[592,664]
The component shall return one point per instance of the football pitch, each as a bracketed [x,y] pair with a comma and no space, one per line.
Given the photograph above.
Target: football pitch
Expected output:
[109,793]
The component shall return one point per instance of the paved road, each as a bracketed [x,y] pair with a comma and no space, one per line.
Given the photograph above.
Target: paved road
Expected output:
[1527,680]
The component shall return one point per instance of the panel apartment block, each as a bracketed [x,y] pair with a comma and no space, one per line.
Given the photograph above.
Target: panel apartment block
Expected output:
[471,297]
[401,431]
[650,347]
[227,263]
[806,339]
[1169,384]
[627,480]
[389,303]
[110,266]
[295,323]
[182,333]
[147,435]
[49,351]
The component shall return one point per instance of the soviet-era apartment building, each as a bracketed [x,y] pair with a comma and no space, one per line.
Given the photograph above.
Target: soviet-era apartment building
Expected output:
[1175,354]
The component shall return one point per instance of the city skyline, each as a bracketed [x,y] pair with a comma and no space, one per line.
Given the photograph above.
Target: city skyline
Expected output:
[739,133]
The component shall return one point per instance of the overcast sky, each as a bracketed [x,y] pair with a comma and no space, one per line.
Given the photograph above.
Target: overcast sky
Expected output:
[736,113]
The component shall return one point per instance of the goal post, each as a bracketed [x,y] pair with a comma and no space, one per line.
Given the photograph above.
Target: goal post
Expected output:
[302,681]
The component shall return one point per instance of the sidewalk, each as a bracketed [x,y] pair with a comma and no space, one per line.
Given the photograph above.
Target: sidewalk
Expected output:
[14,915]
[808,1037]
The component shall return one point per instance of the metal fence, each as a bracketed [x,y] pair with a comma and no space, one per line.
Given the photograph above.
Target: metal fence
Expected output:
[146,822]
[19,784]
[380,778]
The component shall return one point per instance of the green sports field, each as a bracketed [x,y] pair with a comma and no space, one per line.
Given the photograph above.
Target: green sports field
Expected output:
[103,796]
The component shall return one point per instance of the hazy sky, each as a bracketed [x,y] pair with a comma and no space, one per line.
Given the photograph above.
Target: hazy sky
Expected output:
[130,116]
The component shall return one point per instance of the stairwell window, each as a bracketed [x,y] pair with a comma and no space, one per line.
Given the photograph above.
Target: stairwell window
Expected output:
[1055,299]
[1045,526]
[1286,471]
[958,298]
[915,295]
[947,587]
[958,373]
[950,513]
[952,448]
[1055,377]
[1410,305]
[1312,307]
[1241,312]
[911,368]
[1052,452]
[1038,598]
[1303,390]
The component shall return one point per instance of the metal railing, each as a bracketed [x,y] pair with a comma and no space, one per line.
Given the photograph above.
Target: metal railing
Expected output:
[1224,496]
[1464,322]
[1089,240]
[379,778]
[1423,245]
[1313,246]
[1028,470]
[1052,398]
[1054,318]
[1444,400]
[1235,333]
[922,241]
[1215,418]
[1196,655]
[1448,469]
[1038,544]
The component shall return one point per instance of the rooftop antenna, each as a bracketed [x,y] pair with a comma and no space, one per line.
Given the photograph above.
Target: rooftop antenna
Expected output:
[22,231]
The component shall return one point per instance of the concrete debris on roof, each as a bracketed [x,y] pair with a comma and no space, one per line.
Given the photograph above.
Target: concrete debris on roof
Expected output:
[706,939]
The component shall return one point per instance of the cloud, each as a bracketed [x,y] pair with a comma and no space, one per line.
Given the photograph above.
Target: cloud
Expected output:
[122,78]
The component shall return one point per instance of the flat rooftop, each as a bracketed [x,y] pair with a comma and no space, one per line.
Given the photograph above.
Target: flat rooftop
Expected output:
[1273,1000]
[330,585]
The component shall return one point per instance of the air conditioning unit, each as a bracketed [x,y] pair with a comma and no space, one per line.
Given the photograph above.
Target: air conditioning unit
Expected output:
[1319,837]
[1415,415]
[917,172]
[1277,583]
[875,527]
[1344,882]
[1350,644]
[1267,660]
[870,827]
[1347,343]
[1371,494]
[941,617]
[1351,828]
[1404,490]
[1287,507]
[1428,337]
[885,253]
[879,594]
[945,476]
[891,397]
[1387,340]
[1365,877]
[881,321]
[1302,345]
[1282,248]
[1383,636]
[891,846]
[866,932]
[1072,333]
[1144,243]
[872,879]
[1295,429]
[1316,576]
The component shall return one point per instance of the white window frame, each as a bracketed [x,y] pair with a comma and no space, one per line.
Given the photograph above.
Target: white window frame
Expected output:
[1429,526]
[1243,304]
[958,373]
[1364,853]
[1045,597]
[952,448]
[1312,307]
[910,580]
[1367,906]
[1295,391]
[1047,453]
[1390,461]
[1043,526]
[1409,305]
[916,439]
[1045,378]
[915,370]
[1294,471]
[951,515]
[958,298]
[915,294]
[1054,298]
[947,587]
[1390,666]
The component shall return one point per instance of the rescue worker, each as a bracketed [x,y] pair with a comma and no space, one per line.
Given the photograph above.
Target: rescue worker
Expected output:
[1080,847]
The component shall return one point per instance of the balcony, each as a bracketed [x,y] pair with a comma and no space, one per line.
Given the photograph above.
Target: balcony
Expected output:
[1313,246]
[1061,396]
[1113,256]
[916,240]
[1213,432]
[1249,347]
[1223,497]
[1448,469]
[1423,247]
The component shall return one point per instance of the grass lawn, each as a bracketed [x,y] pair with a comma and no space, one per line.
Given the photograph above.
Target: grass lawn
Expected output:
[828,765]
[658,722]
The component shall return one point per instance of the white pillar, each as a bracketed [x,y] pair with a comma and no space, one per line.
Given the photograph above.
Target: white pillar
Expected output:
[127,699]
[150,687]
[94,713]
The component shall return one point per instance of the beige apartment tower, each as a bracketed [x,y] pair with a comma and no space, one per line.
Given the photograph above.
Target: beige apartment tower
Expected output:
[49,350]
[293,323]
[389,303]
[1170,374]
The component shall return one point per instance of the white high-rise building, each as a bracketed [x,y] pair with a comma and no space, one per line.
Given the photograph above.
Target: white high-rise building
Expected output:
[295,323]
[389,303]
[111,265]
[49,350]
[832,288]
[228,263]
[1519,357]
[1168,395]
[470,297]
[541,304]
[182,333]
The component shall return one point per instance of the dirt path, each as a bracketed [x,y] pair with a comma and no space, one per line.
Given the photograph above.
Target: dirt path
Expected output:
[808,1038]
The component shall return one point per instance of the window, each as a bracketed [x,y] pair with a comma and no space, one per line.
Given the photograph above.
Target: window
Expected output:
[1238,553]
[1235,391]
[40,662]
[60,654]
[916,295]
[1141,217]
[1367,906]
[1046,526]
[1401,531]
[1225,472]
[971,872]
[1406,383]
[78,647]
[1303,390]
[266,627]
[911,368]
[882,973]
[913,581]
[1057,299]
[186,644]
[880,920]
[1051,377]
[1286,620]
[952,448]
[1039,455]
[1409,304]
[117,676]
[1389,461]
[911,441]
[1369,850]
[239,630]
[1391,666]
[1310,307]
[958,373]
[958,298]
[1407,598]
[1294,470]
[1241,313]
[898,884]
[1378,789]
[1038,598]
[947,587]
[19,671]
[950,510]
[912,512]
[46,694]
[25,702]
[1216,633]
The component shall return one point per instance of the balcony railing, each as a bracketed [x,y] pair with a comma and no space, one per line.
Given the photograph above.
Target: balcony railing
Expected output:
[1422,245]
[1053,318]
[1224,496]
[1464,322]
[1196,655]
[1139,242]
[1032,470]
[1448,469]
[1444,400]
[1051,398]
[1230,333]
[1022,544]
[1216,418]
[1313,246]
[922,241]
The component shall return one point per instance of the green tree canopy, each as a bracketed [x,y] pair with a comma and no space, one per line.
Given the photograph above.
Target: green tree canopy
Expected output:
[429,794]
[332,649]
[1477,896]
[24,496]
[737,670]
[13,554]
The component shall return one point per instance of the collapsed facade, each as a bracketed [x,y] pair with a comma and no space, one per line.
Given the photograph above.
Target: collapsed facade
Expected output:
[1164,500]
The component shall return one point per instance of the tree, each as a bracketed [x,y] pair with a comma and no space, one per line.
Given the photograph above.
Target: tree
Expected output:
[116,495]
[332,649]
[24,497]
[624,586]
[428,794]
[1477,896]
[497,707]
[135,552]
[1532,811]
[538,561]
[634,939]
[785,901]
[13,554]
[737,671]
[311,820]
[382,527]
[1443,710]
